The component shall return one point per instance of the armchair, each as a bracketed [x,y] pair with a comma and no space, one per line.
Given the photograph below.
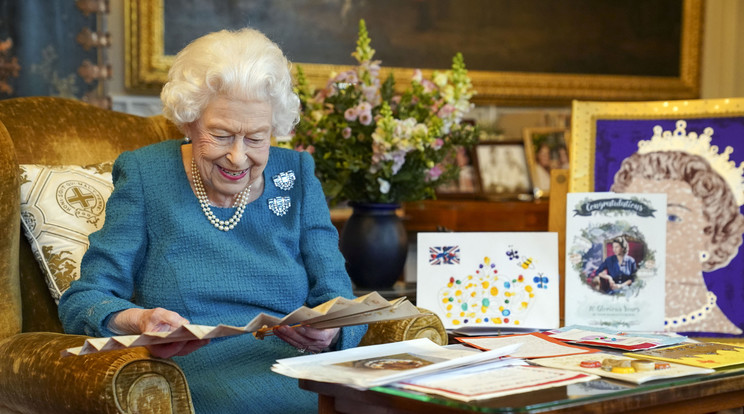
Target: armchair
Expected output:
[33,376]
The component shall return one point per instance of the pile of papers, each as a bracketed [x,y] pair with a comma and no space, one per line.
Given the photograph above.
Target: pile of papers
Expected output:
[335,313]
[459,373]
[371,366]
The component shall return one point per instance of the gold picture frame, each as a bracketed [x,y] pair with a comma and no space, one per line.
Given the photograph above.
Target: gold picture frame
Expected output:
[553,140]
[585,115]
[147,66]
[605,156]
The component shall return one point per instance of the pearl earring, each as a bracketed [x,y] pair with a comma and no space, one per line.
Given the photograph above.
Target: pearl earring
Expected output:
[704,256]
[186,139]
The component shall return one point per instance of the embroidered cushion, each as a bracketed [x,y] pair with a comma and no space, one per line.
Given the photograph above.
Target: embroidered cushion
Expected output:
[60,207]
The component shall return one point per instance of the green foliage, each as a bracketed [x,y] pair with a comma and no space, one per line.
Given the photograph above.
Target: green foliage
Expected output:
[371,144]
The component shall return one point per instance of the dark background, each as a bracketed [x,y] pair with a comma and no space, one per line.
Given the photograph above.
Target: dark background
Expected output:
[628,37]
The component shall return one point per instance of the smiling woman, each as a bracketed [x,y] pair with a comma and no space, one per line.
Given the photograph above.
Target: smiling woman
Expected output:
[216,229]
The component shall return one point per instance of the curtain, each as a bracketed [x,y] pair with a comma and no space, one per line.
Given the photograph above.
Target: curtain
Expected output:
[43,35]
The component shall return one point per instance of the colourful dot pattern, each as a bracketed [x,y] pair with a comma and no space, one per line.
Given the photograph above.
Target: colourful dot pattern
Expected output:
[488,296]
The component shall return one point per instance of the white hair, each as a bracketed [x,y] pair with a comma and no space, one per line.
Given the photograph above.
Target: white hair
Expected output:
[242,64]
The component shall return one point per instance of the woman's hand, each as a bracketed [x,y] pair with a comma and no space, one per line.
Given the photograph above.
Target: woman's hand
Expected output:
[136,321]
[307,339]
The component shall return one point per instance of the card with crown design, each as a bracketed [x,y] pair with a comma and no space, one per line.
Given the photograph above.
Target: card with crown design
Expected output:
[615,249]
[693,151]
[489,282]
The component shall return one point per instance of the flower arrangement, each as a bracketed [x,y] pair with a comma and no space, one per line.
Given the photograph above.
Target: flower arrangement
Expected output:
[371,144]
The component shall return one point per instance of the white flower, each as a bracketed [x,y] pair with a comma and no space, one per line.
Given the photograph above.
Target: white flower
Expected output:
[384,186]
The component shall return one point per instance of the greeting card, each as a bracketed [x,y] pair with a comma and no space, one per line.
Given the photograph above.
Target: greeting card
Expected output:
[615,260]
[497,280]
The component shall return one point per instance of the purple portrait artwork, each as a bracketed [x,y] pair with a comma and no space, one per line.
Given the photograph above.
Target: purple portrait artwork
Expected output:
[705,264]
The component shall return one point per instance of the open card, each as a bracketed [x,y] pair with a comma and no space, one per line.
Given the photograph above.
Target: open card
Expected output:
[573,362]
[335,313]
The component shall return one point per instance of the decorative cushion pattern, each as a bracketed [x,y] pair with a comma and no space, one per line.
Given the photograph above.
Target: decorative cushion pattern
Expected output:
[60,207]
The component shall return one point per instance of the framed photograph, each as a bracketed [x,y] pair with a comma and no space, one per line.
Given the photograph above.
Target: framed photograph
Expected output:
[697,143]
[467,184]
[502,169]
[630,50]
[546,148]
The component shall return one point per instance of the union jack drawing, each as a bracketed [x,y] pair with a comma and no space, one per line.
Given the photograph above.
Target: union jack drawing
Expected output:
[444,255]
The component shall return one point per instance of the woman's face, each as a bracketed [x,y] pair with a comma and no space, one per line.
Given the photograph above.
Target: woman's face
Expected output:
[231,144]
[617,248]
[685,224]
[543,156]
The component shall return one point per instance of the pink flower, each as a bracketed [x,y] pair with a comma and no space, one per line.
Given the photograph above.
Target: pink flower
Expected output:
[310,149]
[434,172]
[351,114]
[437,143]
[428,85]
[365,118]
[346,132]
[417,76]
[446,110]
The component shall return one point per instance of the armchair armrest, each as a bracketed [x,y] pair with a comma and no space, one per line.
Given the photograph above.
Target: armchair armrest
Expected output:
[35,378]
[425,325]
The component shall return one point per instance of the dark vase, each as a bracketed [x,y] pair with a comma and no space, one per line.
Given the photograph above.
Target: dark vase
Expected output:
[375,245]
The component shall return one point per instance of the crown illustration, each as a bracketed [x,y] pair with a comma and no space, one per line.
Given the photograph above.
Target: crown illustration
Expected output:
[691,143]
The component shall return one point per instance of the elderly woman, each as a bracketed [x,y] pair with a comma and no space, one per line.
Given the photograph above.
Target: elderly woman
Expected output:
[217,228]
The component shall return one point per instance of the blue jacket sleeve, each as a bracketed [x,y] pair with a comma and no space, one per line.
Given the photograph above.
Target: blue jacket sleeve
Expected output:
[106,283]
[324,263]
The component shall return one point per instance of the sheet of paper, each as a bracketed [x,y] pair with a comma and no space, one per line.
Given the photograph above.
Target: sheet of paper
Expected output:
[533,345]
[336,313]
[496,382]
[573,362]
[496,280]
[700,354]
[613,338]
[603,291]
[371,366]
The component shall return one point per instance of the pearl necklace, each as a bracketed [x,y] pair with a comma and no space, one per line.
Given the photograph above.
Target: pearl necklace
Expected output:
[201,194]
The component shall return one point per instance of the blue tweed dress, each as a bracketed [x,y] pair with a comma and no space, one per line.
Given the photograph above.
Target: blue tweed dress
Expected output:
[156,249]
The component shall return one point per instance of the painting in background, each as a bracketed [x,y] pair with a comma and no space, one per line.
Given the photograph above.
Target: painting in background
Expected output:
[408,33]
[616,146]
[516,52]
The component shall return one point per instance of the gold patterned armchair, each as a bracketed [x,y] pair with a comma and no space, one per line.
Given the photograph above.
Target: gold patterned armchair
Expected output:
[33,376]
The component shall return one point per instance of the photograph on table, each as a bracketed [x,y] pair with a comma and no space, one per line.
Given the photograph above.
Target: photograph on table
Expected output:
[614,266]
[692,151]
[546,148]
[467,183]
[502,170]
[489,280]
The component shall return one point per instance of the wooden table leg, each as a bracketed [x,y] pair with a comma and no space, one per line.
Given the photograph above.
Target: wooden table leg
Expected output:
[326,404]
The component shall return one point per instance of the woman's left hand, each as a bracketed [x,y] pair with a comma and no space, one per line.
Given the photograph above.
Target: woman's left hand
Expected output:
[307,339]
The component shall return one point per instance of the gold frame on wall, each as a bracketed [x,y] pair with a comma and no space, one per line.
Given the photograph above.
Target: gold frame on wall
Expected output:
[147,65]
[584,117]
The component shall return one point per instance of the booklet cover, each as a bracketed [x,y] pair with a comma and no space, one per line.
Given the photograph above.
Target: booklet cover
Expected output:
[615,260]
[489,280]
[335,313]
